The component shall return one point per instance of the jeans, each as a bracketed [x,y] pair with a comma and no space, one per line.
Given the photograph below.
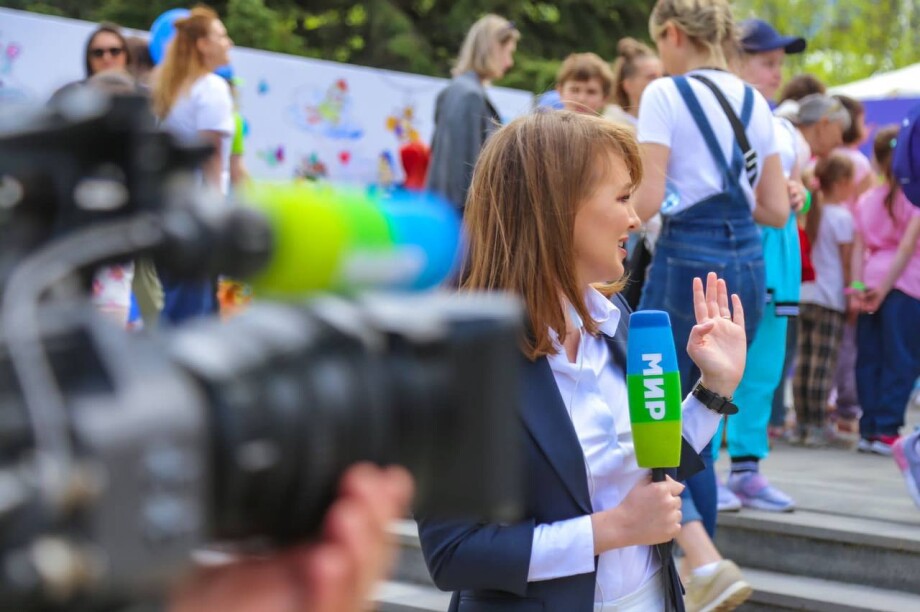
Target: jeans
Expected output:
[778,417]
[845,377]
[716,235]
[887,363]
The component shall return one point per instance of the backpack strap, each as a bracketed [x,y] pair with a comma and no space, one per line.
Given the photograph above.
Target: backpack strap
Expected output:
[699,117]
[748,154]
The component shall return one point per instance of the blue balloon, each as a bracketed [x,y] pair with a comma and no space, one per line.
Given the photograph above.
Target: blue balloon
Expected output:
[162,31]
[430,225]
[225,72]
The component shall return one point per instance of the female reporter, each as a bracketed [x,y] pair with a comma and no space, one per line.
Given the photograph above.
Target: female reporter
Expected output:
[547,217]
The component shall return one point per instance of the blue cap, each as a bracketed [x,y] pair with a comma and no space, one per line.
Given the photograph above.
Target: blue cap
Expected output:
[758,36]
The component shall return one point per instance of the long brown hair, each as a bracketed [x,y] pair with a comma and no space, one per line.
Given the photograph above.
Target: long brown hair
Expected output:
[630,52]
[883,150]
[183,63]
[829,172]
[530,179]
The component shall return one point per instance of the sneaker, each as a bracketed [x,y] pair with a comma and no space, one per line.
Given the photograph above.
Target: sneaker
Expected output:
[907,455]
[755,491]
[822,436]
[727,501]
[864,445]
[725,589]
[882,445]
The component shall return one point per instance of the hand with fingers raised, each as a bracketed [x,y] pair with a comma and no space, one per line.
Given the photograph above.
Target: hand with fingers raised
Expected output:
[718,343]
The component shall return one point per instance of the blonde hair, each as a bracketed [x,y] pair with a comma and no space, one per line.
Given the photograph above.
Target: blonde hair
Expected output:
[529,181]
[183,63]
[709,24]
[630,51]
[584,67]
[476,52]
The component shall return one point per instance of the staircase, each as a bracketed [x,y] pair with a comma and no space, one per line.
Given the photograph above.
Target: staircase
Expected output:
[853,542]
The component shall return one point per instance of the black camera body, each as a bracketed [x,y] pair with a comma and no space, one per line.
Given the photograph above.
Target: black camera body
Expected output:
[120,454]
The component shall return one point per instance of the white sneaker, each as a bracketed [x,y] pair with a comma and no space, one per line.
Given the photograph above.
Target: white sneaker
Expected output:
[727,501]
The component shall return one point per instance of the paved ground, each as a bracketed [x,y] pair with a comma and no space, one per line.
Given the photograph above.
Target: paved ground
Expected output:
[840,482]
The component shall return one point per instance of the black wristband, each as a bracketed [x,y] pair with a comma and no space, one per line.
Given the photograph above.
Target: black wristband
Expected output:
[712,400]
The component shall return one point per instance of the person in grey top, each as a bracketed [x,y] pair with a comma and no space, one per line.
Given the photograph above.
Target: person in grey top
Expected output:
[464,117]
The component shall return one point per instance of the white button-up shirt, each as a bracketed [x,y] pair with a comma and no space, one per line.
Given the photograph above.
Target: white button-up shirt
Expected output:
[594,392]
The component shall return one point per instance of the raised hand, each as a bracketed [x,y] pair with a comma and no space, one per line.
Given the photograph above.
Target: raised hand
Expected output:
[718,343]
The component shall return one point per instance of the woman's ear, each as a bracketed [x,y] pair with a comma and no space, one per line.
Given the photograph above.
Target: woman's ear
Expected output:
[675,34]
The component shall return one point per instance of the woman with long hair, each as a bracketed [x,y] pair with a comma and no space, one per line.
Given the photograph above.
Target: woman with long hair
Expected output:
[188,98]
[463,115]
[195,104]
[548,216]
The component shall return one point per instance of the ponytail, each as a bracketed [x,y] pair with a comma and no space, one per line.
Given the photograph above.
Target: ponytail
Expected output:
[883,151]
[829,173]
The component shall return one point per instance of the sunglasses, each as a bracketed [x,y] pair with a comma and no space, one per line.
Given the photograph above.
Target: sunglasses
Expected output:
[113,51]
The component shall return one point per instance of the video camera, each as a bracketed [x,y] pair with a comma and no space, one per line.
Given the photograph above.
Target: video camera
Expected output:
[122,453]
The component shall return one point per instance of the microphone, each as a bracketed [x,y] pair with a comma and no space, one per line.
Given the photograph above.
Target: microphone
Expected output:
[653,384]
[335,239]
[653,387]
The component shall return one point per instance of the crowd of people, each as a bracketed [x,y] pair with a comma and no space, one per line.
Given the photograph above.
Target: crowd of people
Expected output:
[767,187]
[751,217]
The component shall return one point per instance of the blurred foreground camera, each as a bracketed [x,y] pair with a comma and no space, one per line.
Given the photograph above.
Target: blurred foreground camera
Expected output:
[120,454]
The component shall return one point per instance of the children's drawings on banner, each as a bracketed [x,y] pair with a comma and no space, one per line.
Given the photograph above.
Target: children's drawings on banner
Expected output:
[273,157]
[311,168]
[308,119]
[401,123]
[326,112]
[10,87]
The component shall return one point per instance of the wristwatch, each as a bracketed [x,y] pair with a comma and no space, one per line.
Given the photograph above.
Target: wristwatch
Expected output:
[712,400]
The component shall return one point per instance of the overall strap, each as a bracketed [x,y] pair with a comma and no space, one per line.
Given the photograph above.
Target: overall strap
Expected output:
[699,117]
[743,155]
[748,154]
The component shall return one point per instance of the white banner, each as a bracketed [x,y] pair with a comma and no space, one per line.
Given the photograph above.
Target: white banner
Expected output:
[304,116]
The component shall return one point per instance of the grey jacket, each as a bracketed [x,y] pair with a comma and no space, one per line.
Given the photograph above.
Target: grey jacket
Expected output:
[463,119]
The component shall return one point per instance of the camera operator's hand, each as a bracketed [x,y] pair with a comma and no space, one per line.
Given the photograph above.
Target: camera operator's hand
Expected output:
[335,574]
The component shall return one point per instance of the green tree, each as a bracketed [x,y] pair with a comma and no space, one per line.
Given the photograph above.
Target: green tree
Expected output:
[847,39]
[420,36]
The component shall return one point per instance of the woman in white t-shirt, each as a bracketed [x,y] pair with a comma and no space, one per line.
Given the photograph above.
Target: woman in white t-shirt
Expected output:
[195,104]
[188,98]
[687,137]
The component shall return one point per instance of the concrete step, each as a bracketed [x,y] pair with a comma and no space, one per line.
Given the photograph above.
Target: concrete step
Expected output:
[845,549]
[412,591]
[772,592]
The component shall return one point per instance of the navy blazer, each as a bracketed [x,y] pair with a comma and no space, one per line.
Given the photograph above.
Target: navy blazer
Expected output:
[486,565]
